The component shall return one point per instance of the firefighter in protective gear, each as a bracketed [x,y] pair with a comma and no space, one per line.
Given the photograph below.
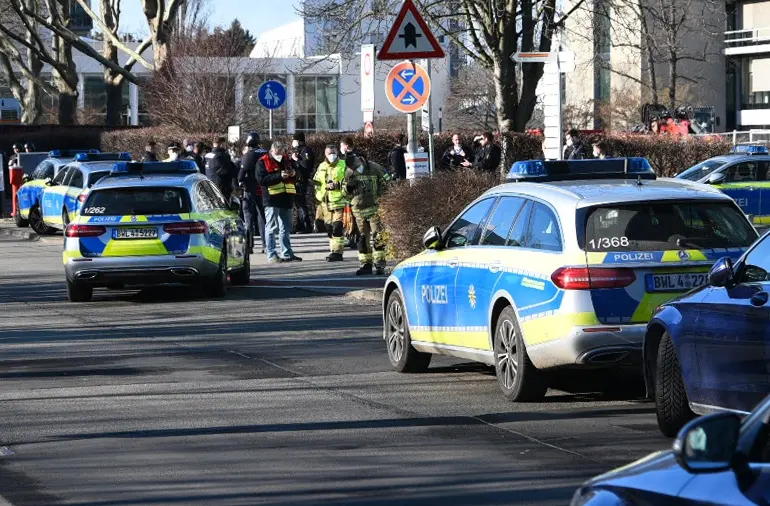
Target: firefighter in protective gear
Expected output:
[364,184]
[328,181]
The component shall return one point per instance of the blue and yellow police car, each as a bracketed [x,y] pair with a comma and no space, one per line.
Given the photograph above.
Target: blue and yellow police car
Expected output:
[29,211]
[63,195]
[564,271]
[743,175]
[154,223]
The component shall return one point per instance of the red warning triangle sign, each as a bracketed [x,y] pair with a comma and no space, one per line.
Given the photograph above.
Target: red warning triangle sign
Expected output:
[410,37]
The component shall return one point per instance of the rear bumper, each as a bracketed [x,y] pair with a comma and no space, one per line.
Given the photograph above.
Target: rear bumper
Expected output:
[152,270]
[597,346]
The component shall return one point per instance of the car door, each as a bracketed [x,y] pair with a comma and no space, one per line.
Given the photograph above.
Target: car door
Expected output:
[434,293]
[53,197]
[733,337]
[480,268]
[227,222]
[741,184]
[763,215]
[75,185]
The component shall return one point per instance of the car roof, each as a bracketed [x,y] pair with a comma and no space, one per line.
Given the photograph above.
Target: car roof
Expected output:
[93,166]
[609,191]
[154,180]
[739,158]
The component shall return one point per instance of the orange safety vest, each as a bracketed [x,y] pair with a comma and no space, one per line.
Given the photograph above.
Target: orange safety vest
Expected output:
[286,186]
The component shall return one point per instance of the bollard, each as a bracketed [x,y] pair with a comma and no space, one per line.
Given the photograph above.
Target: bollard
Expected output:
[16,175]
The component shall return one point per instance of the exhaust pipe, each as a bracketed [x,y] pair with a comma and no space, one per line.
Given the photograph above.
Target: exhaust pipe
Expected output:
[183,272]
[86,275]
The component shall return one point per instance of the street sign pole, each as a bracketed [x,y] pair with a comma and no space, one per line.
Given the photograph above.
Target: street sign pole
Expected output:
[270,124]
[431,159]
[560,106]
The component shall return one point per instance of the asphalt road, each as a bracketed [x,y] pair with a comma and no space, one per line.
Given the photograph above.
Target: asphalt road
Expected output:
[280,393]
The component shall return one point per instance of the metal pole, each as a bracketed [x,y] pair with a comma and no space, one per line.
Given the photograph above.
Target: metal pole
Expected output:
[270,124]
[411,128]
[431,162]
[560,95]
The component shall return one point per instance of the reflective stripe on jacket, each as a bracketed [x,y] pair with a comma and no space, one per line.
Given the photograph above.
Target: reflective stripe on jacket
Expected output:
[286,186]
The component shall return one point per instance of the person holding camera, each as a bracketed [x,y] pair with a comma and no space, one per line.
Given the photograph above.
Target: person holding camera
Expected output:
[278,180]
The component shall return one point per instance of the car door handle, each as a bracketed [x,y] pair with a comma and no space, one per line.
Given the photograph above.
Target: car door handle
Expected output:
[494,267]
[759,299]
[453,263]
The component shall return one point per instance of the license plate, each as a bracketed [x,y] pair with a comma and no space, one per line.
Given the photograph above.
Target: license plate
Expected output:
[675,282]
[136,233]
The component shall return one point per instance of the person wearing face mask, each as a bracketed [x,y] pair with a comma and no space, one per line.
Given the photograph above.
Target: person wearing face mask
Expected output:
[278,181]
[364,183]
[573,147]
[457,156]
[489,154]
[303,162]
[600,150]
[347,148]
[328,181]
[220,168]
[174,149]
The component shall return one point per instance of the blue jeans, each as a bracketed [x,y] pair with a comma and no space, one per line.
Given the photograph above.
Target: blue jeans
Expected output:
[278,220]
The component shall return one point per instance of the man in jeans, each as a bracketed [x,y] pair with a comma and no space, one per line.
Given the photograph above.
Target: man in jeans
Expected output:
[279,189]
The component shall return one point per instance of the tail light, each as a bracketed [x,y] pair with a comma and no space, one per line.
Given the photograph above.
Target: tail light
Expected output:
[587,278]
[186,227]
[76,230]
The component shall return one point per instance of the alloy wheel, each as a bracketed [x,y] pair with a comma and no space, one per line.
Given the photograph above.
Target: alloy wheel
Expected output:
[507,353]
[396,330]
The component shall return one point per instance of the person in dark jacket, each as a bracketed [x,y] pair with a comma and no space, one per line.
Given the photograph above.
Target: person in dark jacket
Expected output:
[573,147]
[150,155]
[396,158]
[278,181]
[253,209]
[220,168]
[489,154]
[457,156]
[197,156]
[303,163]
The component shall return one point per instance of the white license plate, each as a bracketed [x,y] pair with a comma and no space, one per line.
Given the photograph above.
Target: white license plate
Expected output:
[675,282]
[136,233]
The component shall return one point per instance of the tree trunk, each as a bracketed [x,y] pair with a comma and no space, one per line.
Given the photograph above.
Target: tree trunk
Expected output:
[673,77]
[32,103]
[114,87]
[160,51]
[650,58]
[68,107]
[66,83]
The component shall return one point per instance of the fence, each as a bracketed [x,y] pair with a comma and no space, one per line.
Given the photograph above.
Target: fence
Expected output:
[742,137]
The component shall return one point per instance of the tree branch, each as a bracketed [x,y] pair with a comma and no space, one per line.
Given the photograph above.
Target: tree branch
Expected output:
[137,57]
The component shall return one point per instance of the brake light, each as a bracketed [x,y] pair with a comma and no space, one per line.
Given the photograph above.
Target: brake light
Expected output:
[76,230]
[186,227]
[586,278]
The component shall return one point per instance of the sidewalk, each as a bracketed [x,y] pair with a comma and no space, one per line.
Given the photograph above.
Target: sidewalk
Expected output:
[8,229]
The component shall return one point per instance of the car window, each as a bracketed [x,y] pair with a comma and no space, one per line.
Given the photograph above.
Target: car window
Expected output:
[216,196]
[136,201]
[44,170]
[465,230]
[94,177]
[757,264]
[657,226]
[76,178]
[61,176]
[743,172]
[543,230]
[208,198]
[703,169]
[519,231]
[499,224]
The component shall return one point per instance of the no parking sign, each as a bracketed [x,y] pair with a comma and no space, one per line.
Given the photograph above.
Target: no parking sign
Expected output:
[407,87]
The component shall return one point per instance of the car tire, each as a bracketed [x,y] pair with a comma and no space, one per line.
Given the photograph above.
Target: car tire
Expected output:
[20,222]
[518,378]
[79,292]
[37,223]
[242,276]
[217,285]
[402,355]
[671,404]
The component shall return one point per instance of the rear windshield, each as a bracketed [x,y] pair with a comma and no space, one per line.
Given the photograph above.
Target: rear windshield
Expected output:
[703,169]
[667,226]
[94,177]
[132,201]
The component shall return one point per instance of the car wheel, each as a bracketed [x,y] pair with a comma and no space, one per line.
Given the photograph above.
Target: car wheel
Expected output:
[79,292]
[242,276]
[671,403]
[402,355]
[20,222]
[65,218]
[518,378]
[37,223]
[217,285]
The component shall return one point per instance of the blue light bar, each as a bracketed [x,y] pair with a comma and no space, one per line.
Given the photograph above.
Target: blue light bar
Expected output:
[749,149]
[69,153]
[178,167]
[102,157]
[558,170]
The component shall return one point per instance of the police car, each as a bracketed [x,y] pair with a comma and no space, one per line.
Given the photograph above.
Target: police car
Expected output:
[63,196]
[29,211]
[565,271]
[153,223]
[743,175]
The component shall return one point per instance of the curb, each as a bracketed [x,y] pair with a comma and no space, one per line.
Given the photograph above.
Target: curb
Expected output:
[371,295]
[18,233]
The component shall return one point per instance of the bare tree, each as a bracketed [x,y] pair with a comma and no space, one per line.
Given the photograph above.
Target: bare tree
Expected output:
[471,101]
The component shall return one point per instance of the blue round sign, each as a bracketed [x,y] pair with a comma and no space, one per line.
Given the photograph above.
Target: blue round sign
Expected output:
[272,94]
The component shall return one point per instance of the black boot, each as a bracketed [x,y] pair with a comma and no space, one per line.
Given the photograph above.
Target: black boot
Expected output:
[365,270]
[334,257]
[379,270]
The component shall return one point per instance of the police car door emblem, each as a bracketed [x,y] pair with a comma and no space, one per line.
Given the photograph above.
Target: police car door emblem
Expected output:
[472,296]
[683,255]
[133,219]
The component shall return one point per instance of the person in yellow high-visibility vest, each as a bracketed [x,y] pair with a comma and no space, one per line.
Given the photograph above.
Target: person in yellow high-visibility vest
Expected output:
[328,181]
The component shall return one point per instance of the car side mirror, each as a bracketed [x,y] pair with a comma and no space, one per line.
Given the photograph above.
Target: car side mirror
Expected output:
[722,273]
[717,178]
[709,443]
[432,238]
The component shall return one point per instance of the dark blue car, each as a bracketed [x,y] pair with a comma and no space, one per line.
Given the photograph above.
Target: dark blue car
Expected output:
[715,460]
[709,350]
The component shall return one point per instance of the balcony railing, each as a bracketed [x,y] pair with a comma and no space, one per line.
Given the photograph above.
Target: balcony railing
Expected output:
[748,37]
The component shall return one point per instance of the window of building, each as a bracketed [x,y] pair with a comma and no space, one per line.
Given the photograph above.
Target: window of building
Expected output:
[316,103]
[755,92]
[256,116]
